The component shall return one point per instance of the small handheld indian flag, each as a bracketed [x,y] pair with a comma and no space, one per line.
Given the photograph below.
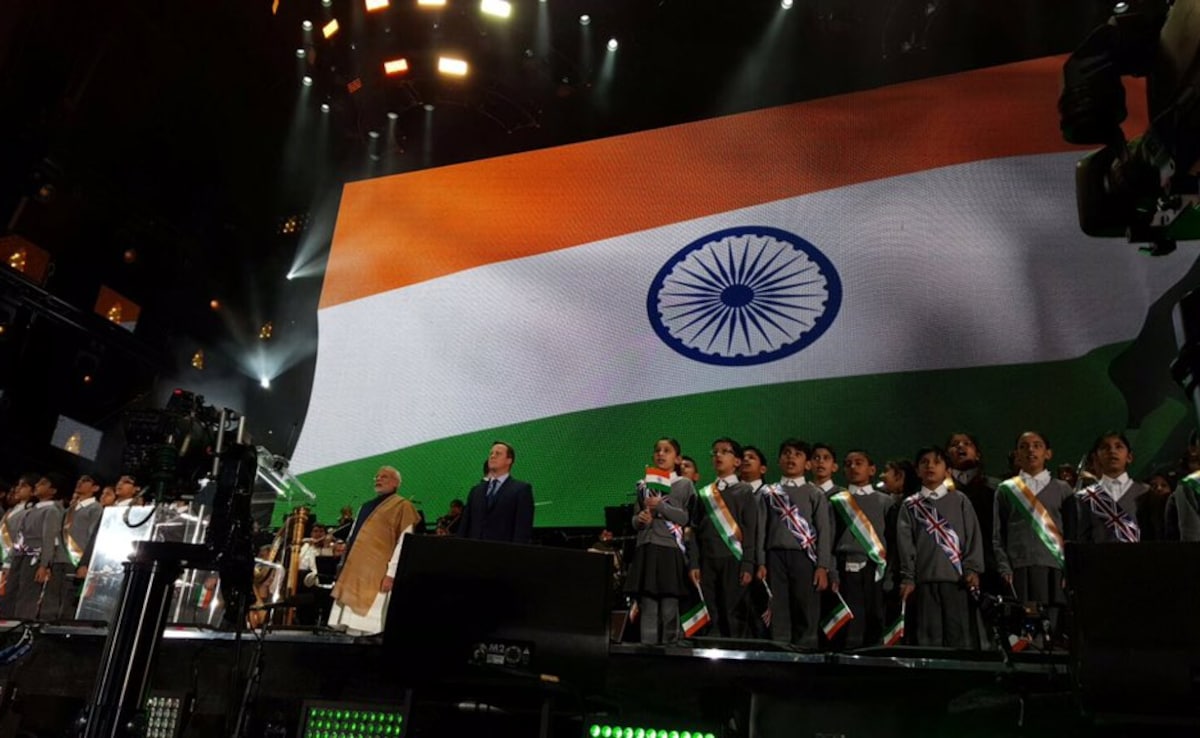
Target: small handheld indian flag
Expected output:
[895,634]
[696,617]
[838,618]
[1018,643]
[657,481]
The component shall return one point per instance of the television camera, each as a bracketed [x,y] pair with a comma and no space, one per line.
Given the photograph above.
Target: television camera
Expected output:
[1146,189]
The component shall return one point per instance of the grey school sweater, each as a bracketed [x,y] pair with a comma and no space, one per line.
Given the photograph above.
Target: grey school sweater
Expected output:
[739,498]
[674,508]
[1015,543]
[84,522]
[846,547]
[1183,511]
[812,505]
[1092,528]
[920,559]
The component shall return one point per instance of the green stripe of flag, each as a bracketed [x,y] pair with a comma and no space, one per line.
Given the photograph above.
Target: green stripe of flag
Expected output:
[579,462]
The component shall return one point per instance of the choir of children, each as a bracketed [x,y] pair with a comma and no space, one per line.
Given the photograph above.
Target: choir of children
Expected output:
[906,540]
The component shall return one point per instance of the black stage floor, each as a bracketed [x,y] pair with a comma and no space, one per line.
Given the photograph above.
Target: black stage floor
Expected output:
[726,688]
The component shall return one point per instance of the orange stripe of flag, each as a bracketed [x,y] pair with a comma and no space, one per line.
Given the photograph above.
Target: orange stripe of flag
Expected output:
[401,230]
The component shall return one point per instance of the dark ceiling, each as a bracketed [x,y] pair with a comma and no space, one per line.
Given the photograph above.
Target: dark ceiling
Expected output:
[156,147]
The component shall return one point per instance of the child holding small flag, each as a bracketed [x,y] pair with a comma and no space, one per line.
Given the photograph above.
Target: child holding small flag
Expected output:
[940,555]
[657,577]
[860,515]
[1028,525]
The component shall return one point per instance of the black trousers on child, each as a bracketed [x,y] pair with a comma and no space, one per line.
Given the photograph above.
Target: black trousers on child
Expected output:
[724,595]
[864,597]
[942,614]
[795,605]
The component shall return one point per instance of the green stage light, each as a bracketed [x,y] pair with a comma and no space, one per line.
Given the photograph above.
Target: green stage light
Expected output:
[325,720]
[596,730]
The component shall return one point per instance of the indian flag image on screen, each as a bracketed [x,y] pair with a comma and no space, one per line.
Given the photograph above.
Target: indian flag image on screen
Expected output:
[875,269]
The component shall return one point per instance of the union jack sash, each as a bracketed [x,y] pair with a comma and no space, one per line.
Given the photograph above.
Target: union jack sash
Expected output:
[938,527]
[1103,506]
[796,523]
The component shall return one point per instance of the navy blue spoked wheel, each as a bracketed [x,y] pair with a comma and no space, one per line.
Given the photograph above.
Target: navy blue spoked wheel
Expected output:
[743,296]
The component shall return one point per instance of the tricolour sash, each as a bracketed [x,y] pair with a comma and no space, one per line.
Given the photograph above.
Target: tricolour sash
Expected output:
[727,527]
[1103,506]
[796,523]
[937,527]
[862,530]
[658,482]
[1192,482]
[6,539]
[1027,502]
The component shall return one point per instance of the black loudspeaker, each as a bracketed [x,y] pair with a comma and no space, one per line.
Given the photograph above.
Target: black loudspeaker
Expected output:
[466,610]
[1135,645]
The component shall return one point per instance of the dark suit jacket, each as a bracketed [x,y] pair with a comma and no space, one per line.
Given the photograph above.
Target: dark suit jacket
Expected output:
[511,516]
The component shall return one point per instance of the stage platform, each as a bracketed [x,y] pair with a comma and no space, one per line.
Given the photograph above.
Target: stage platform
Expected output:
[727,688]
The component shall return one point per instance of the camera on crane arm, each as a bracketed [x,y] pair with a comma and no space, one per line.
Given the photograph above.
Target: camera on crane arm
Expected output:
[1146,189]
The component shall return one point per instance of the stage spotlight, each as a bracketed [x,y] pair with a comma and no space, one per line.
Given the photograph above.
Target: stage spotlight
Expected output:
[301,53]
[393,116]
[327,3]
[198,359]
[431,3]
[373,134]
[214,304]
[264,382]
[130,256]
[785,4]
[585,19]
[324,107]
[498,8]
[266,331]
[330,28]
[306,25]
[373,5]
[453,67]
[612,44]
[306,81]
[395,66]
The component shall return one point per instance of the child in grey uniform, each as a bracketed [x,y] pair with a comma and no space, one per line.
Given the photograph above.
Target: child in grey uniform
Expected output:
[1028,525]
[657,575]
[940,555]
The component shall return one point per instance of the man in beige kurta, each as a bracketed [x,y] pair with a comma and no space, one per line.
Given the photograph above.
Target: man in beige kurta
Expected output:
[364,584]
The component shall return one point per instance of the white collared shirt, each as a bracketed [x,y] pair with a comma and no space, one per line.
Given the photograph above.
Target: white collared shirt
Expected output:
[45,503]
[826,485]
[861,491]
[1116,486]
[934,494]
[755,484]
[792,481]
[731,479]
[86,502]
[1037,482]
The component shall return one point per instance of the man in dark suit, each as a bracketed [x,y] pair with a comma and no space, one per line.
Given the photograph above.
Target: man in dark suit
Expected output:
[499,508]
